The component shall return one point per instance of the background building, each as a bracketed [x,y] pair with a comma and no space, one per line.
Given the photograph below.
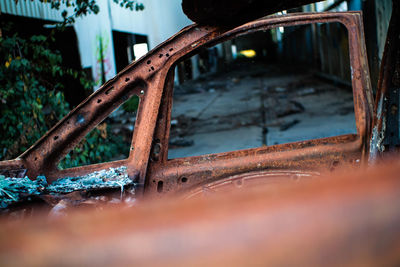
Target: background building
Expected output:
[104,43]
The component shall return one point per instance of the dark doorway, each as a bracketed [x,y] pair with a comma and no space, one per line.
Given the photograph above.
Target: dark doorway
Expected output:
[124,48]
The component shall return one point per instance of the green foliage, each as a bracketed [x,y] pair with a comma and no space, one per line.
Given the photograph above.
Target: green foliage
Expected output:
[31,101]
[29,96]
[132,104]
[130,4]
[97,147]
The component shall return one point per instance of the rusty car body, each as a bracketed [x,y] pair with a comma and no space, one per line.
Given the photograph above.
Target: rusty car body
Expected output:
[152,78]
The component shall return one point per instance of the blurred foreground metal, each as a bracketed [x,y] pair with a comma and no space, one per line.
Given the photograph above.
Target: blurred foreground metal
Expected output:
[350,219]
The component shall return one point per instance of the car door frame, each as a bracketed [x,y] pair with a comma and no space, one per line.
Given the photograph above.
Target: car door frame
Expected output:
[166,176]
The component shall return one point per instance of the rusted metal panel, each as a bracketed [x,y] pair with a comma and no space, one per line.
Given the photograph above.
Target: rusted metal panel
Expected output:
[385,134]
[179,175]
[151,78]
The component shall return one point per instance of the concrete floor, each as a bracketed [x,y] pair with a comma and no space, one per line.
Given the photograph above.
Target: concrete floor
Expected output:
[256,105]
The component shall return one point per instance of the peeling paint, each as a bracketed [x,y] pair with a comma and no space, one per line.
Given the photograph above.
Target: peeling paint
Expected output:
[378,136]
[13,190]
[111,178]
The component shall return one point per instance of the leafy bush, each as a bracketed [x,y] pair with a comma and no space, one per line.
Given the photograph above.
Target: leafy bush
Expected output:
[132,104]
[32,101]
[97,147]
[29,92]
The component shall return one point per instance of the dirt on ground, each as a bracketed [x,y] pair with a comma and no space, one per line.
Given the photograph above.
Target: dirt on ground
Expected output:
[254,105]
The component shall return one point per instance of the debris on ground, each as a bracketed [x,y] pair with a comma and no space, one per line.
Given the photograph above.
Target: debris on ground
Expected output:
[288,125]
[181,126]
[292,107]
[306,91]
[180,142]
[345,110]
[291,102]
[122,123]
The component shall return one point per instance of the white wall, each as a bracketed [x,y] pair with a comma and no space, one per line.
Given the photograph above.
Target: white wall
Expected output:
[383,13]
[93,31]
[158,21]
[32,9]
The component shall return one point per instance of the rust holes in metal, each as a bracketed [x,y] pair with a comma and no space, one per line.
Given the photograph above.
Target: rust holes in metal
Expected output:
[109,90]
[149,62]
[160,186]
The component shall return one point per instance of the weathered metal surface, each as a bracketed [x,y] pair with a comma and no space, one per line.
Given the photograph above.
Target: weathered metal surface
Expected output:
[246,181]
[352,220]
[386,135]
[151,78]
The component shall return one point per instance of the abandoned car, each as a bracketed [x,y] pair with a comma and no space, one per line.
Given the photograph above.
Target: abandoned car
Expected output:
[148,168]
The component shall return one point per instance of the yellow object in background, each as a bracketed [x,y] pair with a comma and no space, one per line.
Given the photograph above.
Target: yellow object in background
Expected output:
[248,53]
